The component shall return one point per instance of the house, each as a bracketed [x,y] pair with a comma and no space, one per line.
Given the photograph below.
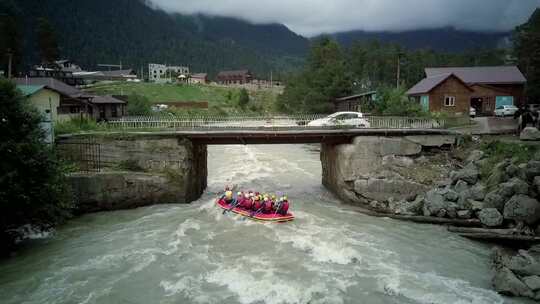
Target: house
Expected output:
[46,100]
[456,90]
[235,77]
[72,101]
[63,70]
[107,107]
[164,73]
[355,102]
[199,78]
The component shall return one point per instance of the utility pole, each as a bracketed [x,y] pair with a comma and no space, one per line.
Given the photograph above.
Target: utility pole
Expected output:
[10,62]
[398,70]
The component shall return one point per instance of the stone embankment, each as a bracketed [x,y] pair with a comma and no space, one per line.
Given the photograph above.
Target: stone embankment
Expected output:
[140,172]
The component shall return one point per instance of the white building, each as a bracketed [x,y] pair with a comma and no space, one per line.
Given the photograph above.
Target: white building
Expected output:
[162,72]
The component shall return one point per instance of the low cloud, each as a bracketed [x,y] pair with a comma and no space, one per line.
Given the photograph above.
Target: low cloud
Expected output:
[312,17]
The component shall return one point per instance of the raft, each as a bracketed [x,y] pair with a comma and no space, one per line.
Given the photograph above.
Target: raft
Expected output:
[272,217]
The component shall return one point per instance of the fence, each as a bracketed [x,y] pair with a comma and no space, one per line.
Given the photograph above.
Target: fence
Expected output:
[277,122]
[85,155]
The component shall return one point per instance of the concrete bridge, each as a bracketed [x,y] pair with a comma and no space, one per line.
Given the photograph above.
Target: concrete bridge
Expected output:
[141,168]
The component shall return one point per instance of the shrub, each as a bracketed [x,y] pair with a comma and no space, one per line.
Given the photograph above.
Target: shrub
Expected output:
[33,189]
[138,105]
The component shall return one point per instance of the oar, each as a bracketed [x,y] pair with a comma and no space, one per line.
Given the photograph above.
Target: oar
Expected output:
[234,204]
[256,212]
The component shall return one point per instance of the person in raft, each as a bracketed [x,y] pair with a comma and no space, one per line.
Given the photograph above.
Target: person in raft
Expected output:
[267,205]
[228,196]
[283,206]
[256,202]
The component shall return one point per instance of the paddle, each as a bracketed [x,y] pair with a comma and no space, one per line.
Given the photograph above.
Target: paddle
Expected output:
[252,214]
[234,204]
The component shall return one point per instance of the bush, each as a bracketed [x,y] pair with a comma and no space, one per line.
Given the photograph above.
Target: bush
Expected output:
[394,101]
[138,105]
[33,189]
[243,99]
[76,125]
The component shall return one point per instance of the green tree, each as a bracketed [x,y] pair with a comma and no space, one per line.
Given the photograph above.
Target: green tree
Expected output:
[47,43]
[243,99]
[324,79]
[139,105]
[527,50]
[32,186]
[394,101]
[10,37]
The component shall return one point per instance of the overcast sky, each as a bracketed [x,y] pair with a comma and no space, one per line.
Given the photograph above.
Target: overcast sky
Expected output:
[312,17]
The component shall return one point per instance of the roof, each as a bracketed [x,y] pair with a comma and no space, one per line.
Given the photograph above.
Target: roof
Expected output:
[52,84]
[29,90]
[117,73]
[488,74]
[356,96]
[429,83]
[199,75]
[233,73]
[107,99]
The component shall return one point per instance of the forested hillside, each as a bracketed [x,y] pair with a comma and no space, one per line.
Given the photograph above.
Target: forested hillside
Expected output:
[442,40]
[110,31]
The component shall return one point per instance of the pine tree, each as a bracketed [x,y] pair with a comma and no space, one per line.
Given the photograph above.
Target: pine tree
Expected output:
[527,51]
[48,45]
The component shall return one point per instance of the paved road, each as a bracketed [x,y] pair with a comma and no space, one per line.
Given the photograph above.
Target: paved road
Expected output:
[490,125]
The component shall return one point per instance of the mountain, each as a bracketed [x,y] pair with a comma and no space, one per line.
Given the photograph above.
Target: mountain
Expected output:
[129,31]
[442,39]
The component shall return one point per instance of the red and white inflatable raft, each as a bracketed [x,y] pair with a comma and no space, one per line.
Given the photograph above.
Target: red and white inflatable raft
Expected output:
[271,217]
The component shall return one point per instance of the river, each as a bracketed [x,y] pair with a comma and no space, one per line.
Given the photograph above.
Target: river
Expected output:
[195,254]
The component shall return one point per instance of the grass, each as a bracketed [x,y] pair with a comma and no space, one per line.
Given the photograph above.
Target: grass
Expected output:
[77,125]
[497,151]
[217,97]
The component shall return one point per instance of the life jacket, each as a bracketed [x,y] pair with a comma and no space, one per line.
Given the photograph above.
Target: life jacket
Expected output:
[284,208]
[268,206]
[247,204]
[257,205]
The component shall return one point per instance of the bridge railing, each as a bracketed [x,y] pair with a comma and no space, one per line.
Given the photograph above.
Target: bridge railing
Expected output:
[275,121]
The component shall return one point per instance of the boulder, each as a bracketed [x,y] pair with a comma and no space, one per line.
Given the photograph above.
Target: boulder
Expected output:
[490,217]
[533,282]
[523,266]
[451,195]
[407,208]
[474,205]
[522,208]
[468,174]
[498,174]
[494,200]
[463,200]
[475,156]
[530,134]
[379,206]
[434,202]
[464,214]
[532,170]
[478,192]
[536,183]
[381,188]
[461,186]
[512,170]
[507,283]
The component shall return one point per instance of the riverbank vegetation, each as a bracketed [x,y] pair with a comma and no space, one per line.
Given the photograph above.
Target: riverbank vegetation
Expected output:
[33,189]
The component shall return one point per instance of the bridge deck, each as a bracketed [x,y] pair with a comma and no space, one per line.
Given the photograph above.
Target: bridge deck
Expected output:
[262,136]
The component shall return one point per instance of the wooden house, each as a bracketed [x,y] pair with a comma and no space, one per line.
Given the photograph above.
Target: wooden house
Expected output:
[235,77]
[456,90]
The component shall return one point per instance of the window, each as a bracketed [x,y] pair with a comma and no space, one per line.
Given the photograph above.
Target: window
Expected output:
[74,110]
[114,111]
[449,101]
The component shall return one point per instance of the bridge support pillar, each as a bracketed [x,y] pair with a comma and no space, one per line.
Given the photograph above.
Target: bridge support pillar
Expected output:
[141,171]
[364,171]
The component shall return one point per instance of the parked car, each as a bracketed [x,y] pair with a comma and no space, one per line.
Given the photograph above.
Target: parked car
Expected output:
[506,110]
[472,112]
[355,119]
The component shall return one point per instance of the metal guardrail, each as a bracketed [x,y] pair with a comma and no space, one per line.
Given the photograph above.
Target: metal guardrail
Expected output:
[274,122]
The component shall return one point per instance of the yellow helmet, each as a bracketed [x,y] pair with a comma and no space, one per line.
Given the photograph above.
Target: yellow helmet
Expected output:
[238,193]
[285,198]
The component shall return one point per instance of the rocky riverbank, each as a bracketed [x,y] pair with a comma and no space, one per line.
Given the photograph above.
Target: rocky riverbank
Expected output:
[517,274]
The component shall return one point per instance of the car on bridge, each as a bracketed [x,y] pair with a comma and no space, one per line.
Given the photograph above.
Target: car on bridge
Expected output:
[355,119]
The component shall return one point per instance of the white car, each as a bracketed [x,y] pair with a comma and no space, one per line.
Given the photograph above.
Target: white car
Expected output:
[507,110]
[354,119]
